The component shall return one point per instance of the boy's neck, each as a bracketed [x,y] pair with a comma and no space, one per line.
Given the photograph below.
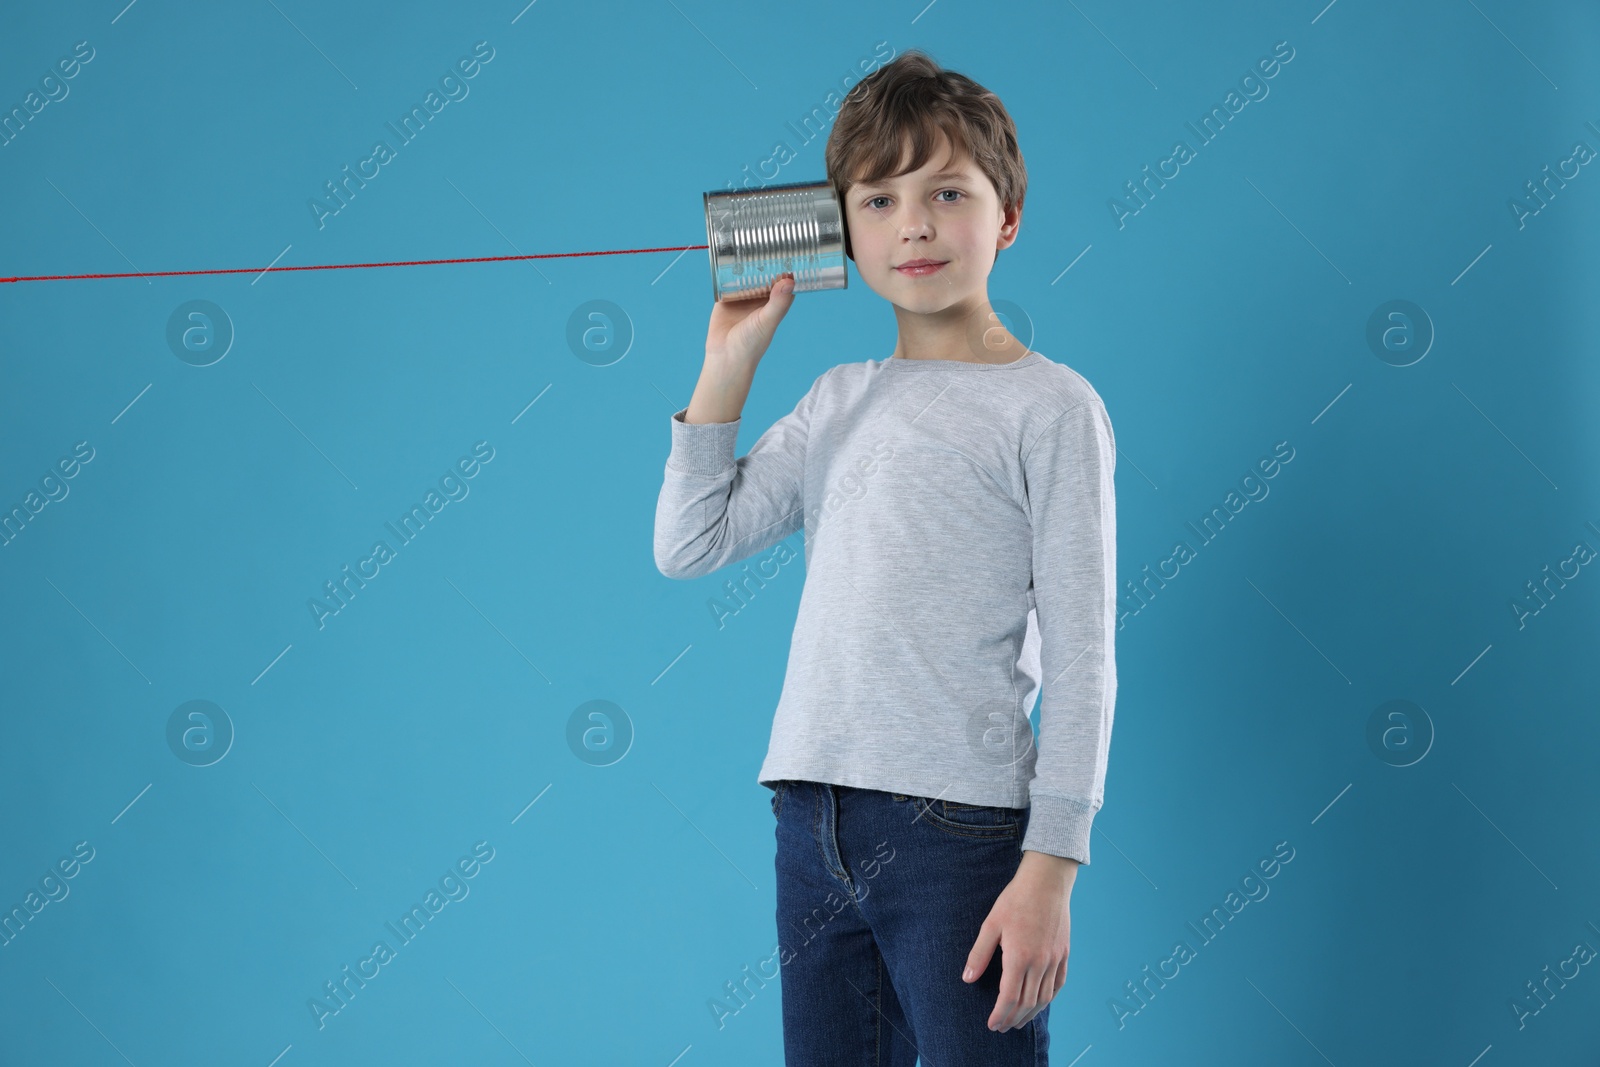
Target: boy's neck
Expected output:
[975,337]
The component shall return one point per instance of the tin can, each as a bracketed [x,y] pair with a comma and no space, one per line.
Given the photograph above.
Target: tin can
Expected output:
[756,236]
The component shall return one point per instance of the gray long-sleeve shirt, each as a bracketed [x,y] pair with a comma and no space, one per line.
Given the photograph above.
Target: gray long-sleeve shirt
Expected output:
[960,546]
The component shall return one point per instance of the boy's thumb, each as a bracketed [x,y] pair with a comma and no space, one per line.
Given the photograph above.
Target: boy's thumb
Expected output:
[779,300]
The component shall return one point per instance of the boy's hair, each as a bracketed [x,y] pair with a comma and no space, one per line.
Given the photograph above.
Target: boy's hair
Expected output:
[913,98]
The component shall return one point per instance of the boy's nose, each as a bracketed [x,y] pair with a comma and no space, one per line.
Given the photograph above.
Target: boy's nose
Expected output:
[912,224]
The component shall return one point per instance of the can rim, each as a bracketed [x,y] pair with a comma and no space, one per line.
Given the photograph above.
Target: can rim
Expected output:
[711,248]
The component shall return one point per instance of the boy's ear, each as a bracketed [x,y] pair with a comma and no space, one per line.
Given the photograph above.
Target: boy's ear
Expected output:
[1010,223]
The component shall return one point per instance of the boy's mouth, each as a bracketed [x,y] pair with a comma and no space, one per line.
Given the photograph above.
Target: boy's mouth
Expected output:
[920,267]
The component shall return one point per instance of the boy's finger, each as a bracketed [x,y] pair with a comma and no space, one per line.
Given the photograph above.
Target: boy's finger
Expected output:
[982,952]
[779,301]
[1013,980]
[1032,997]
[1005,1005]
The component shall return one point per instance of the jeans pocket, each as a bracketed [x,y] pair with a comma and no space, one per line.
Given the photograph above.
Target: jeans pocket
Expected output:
[970,820]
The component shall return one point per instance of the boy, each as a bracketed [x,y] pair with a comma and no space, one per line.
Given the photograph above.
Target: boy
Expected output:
[960,541]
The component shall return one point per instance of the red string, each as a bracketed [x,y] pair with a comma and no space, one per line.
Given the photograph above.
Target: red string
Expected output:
[347,266]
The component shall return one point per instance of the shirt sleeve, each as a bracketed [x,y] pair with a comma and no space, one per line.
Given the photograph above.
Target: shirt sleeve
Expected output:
[713,509]
[1072,505]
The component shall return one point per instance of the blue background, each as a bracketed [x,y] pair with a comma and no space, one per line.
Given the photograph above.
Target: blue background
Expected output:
[433,711]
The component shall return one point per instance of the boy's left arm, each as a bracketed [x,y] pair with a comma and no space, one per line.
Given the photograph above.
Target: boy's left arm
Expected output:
[1032,919]
[1072,508]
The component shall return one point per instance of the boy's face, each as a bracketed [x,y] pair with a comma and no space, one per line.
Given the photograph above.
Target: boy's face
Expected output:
[947,211]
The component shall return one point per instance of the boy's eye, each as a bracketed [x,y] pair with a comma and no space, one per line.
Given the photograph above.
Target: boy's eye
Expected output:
[872,202]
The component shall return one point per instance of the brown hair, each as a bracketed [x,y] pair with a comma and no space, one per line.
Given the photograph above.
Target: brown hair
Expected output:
[913,98]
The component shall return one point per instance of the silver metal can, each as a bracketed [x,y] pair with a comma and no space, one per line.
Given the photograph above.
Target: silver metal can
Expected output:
[756,236]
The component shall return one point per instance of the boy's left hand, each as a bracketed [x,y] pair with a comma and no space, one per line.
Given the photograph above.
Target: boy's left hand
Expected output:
[1032,924]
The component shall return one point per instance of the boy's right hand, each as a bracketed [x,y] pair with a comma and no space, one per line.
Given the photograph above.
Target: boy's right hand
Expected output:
[741,330]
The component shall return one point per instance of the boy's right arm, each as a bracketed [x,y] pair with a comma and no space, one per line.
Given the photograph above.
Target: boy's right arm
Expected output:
[720,393]
[714,509]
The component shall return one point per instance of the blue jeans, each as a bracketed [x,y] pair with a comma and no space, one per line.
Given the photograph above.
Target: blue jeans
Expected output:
[880,897]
